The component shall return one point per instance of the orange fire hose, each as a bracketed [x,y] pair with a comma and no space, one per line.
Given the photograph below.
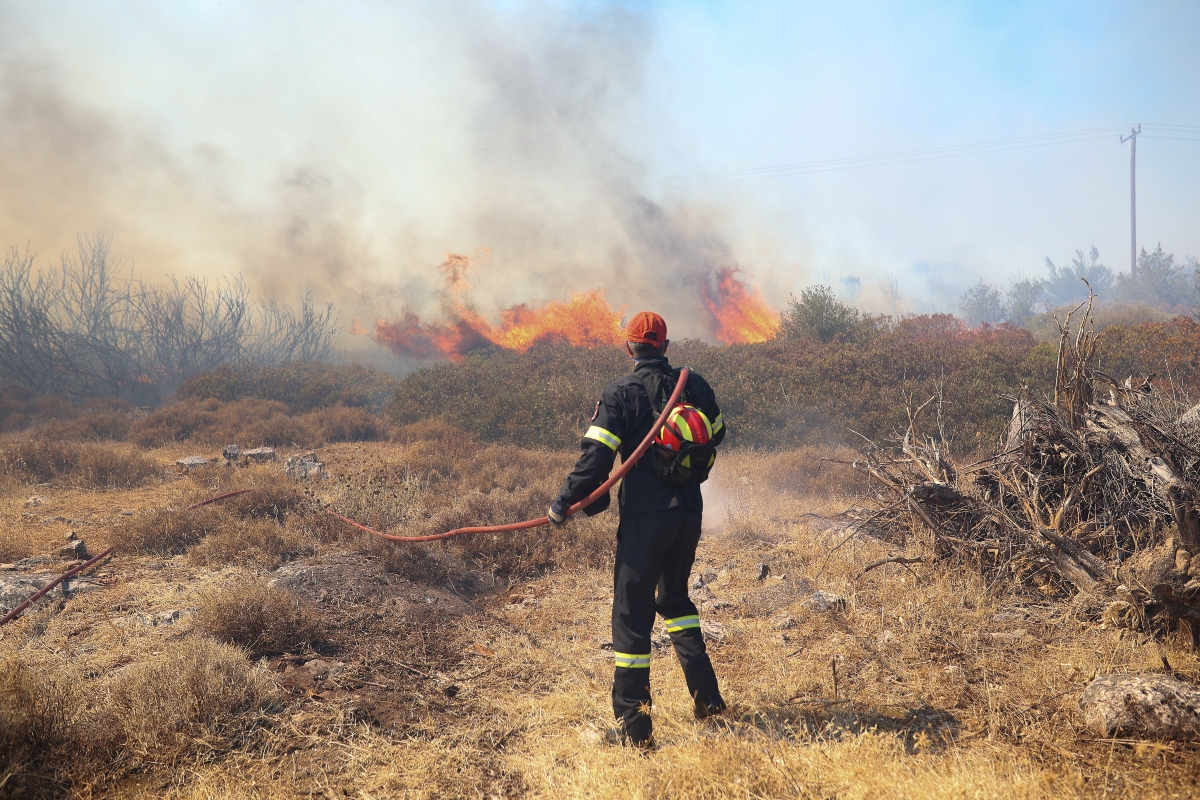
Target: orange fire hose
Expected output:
[529,523]
[540,521]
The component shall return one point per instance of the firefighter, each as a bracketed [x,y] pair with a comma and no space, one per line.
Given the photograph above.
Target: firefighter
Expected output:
[660,509]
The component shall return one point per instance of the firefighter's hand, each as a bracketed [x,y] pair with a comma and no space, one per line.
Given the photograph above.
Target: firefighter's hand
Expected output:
[558,513]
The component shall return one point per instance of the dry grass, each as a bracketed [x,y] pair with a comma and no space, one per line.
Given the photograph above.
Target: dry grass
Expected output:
[264,619]
[452,687]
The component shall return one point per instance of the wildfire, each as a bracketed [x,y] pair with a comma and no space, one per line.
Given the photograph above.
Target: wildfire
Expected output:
[740,313]
[586,320]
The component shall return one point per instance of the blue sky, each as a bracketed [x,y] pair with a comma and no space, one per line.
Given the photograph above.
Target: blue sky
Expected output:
[346,147]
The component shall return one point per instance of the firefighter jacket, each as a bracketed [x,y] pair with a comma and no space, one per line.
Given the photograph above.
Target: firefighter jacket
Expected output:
[624,415]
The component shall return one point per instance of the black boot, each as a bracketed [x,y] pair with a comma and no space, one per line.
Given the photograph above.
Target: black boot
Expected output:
[709,706]
[620,736]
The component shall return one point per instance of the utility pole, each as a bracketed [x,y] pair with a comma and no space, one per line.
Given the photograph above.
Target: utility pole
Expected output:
[1132,139]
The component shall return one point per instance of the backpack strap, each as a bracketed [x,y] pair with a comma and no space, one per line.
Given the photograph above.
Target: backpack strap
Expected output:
[659,386]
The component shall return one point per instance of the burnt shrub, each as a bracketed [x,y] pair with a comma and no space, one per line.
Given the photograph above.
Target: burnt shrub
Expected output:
[266,620]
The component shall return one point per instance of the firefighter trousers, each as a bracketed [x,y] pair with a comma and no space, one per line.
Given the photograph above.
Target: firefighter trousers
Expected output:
[655,552]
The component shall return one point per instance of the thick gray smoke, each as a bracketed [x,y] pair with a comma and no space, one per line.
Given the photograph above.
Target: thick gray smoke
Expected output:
[346,155]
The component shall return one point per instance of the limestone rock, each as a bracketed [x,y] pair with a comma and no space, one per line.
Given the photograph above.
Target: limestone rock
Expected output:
[189,462]
[36,500]
[260,454]
[75,549]
[304,468]
[822,600]
[1154,706]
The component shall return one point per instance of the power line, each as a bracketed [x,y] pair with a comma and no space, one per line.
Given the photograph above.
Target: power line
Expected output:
[897,157]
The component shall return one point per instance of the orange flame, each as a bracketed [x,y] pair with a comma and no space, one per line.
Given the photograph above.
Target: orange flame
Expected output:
[740,313]
[586,320]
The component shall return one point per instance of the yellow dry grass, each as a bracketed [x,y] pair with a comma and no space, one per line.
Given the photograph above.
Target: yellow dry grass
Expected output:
[500,687]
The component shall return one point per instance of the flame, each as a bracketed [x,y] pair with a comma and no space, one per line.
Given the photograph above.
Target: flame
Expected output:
[740,313]
[586,320]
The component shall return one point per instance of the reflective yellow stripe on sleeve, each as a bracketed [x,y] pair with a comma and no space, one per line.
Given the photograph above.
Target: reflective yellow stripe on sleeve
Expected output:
[717,424]
[681,623]
[633,660]
[603,436]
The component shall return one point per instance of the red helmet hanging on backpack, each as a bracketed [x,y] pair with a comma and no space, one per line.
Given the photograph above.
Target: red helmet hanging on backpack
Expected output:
[685,423]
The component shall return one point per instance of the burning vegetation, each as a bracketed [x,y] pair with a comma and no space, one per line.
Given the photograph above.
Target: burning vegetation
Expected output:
[735,314]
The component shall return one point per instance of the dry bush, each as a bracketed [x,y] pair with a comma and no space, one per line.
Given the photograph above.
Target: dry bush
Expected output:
[198,691]
[98,426]
[449,438]
[197,694]
[167,531]
[345,424]
[39,708]
[86,465]
[272,496]
[264,619]
[252,422]
[249,422]
[254,543]
[303,385]
[16,407]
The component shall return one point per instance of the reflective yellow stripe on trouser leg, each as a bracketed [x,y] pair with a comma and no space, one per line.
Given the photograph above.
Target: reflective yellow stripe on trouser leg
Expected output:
[633,660]
[682,623]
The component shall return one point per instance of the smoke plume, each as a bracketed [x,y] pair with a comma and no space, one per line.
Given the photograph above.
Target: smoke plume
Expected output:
[427,134]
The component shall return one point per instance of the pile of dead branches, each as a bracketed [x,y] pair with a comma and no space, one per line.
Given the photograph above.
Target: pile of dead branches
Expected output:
[1095,490]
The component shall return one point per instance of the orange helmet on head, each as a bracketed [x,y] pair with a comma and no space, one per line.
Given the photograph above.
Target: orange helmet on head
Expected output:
[646,327]
[685,423]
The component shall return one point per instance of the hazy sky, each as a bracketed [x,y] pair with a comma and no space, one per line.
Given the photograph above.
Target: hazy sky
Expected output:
[347,146]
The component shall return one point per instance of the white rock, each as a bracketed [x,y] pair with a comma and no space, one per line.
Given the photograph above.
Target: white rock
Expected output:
[260,454]
[1154,706]
[822,600]
[303,468]
[188,462]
